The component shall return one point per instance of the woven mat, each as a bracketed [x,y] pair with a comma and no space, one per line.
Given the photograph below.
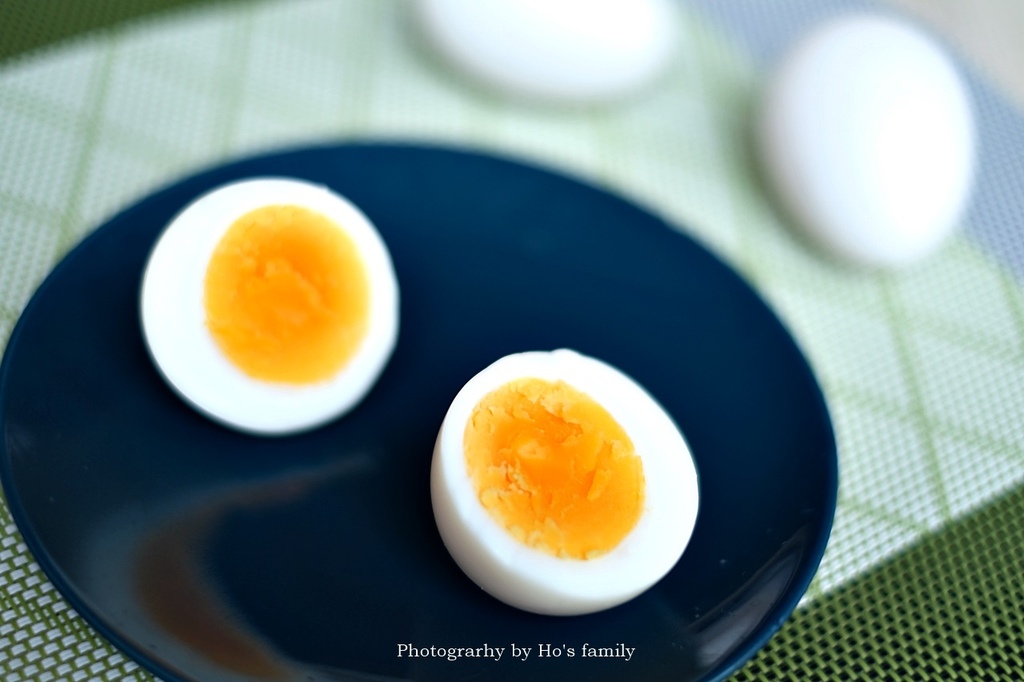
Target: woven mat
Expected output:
[923,369]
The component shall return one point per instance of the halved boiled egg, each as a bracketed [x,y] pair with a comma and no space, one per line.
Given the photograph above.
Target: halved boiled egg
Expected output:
[270,305]
[560,486]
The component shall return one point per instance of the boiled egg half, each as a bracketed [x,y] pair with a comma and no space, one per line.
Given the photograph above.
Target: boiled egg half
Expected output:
[560,486]
[270,305]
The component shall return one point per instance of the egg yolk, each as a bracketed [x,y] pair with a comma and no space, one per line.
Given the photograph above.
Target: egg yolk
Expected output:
[554,468]
[287,295]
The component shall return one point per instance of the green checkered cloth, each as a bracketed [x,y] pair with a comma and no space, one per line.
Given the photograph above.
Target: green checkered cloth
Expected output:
[923,369]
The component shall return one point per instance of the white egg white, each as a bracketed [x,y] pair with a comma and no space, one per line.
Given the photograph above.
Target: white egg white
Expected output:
[534,580]
[174,319]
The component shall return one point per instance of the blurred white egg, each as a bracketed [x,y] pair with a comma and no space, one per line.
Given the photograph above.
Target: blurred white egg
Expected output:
[574,51]
[270,305]
[560,486]
[867,135]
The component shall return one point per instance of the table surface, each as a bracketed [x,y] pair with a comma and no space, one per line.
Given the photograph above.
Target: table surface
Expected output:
[102,102]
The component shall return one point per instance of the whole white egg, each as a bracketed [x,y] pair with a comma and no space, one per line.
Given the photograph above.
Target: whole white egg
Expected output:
[867,135]
[270,305]
[560,486]
[573,51]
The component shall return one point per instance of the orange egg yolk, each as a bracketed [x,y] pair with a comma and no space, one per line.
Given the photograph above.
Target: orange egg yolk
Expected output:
[554,468]
[287,295]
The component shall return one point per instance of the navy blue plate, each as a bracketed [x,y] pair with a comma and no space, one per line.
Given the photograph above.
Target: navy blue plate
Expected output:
[210,555]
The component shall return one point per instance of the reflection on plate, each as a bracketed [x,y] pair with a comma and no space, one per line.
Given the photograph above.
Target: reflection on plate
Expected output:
[210,555]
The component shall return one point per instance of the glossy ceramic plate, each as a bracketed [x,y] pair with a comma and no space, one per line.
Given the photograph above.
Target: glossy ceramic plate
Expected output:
[209,555]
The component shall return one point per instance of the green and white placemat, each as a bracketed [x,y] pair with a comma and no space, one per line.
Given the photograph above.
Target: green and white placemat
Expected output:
[923,369]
